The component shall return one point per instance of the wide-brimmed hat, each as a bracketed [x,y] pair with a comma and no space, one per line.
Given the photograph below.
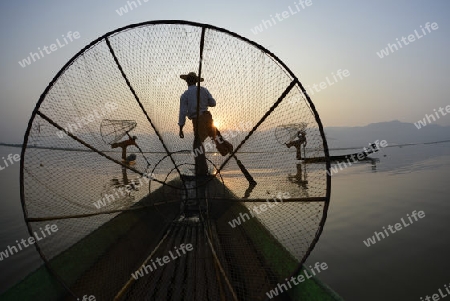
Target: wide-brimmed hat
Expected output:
[191,76]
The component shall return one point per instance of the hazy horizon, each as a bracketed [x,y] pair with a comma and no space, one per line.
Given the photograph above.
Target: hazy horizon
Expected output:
[340,136]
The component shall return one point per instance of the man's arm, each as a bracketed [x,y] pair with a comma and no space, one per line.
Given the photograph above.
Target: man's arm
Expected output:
[211,100]
[182,114]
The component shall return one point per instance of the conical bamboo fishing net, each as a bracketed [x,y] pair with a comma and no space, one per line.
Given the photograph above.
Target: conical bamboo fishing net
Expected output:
[112,131]
[114,217]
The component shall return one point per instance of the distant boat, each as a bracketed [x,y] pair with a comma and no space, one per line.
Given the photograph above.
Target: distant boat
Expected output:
[355,157]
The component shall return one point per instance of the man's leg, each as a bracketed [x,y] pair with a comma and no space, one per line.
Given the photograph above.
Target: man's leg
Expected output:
[211,130]
[299,152]
[124,153]
[201,166]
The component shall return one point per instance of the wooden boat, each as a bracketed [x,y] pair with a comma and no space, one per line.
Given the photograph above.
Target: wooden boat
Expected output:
[352,158]
[99,250]
[235,264]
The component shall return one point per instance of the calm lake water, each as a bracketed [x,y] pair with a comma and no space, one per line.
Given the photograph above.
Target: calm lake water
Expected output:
[406,265]
[409,264]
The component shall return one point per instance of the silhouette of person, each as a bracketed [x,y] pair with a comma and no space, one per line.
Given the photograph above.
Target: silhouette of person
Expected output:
[301,140]
[124,144]
[300,177]
[188,108]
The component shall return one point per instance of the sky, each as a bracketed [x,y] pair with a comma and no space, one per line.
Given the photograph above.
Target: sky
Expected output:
[315,43]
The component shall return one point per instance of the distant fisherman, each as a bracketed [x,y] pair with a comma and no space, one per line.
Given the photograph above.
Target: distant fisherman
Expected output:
[124,144]
[301,135]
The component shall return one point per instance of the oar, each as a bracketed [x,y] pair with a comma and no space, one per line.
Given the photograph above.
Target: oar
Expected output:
[244,170]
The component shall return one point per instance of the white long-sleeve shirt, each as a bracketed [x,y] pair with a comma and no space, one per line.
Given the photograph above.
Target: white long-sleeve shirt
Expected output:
[188,103]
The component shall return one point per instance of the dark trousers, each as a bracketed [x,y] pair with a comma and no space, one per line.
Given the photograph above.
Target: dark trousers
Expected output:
[298,145]
[205,129]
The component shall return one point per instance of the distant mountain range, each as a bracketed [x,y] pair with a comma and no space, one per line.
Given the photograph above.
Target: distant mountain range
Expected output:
[394,132]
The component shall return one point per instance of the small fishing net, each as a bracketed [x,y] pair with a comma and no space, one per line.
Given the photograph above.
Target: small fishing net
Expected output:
[114,130]
[250,223]
[288,132]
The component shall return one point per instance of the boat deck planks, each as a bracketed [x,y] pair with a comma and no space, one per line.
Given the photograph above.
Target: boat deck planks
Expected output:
[189,277]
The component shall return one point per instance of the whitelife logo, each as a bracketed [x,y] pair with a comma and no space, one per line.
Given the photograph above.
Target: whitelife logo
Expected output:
[391,48]
[318,267]
[398,226]
[131,5]
[11,250]
[10,158]
[266,24]
[34,56]
[438,296]
[183,248]
[430,118]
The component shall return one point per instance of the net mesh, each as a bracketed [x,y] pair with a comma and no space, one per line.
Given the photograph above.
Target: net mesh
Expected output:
[251,223]
[113,131]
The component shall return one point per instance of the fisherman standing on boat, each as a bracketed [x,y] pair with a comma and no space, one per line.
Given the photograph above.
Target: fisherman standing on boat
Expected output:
[124,144]
[301,135]
[188,108]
